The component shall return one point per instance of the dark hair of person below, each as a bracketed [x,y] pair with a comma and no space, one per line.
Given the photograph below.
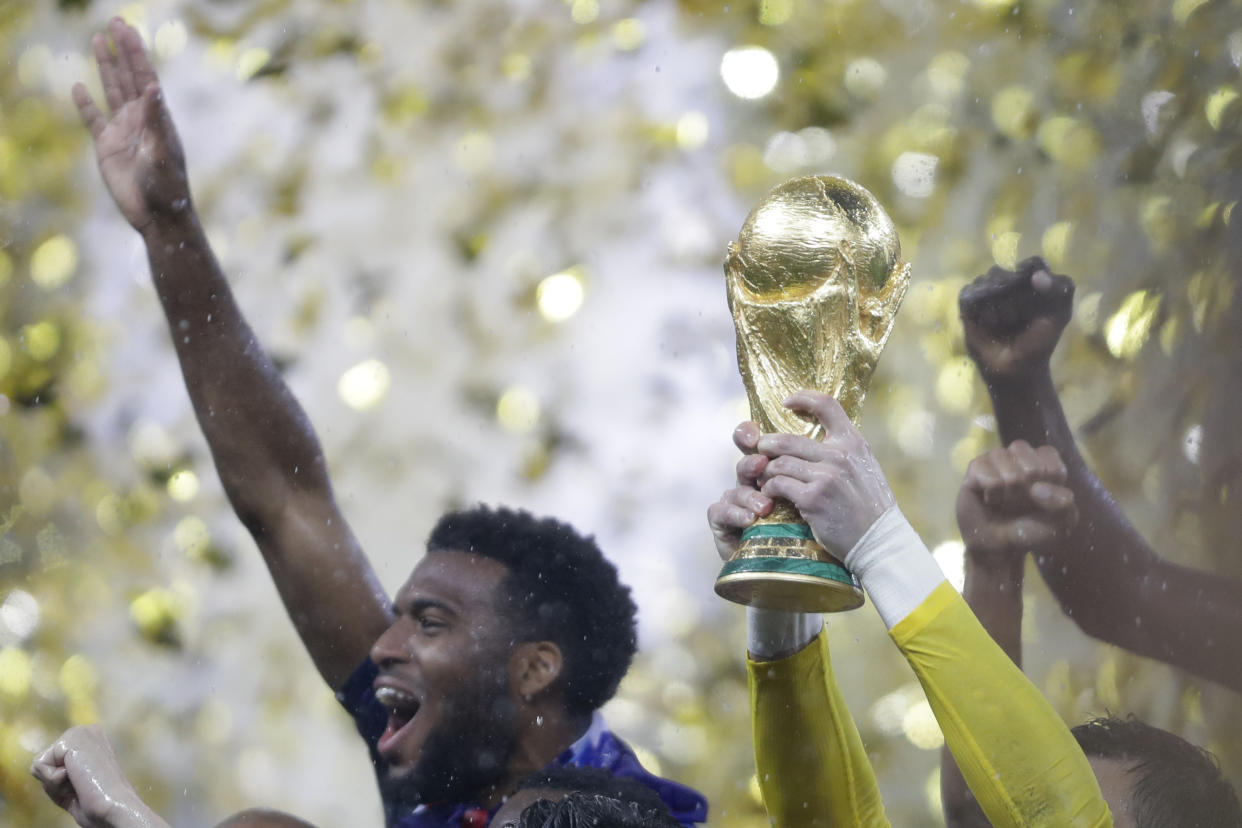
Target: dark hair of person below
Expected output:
[559,588]
[263,818]
[1176,783]
[591,810]
[595,781]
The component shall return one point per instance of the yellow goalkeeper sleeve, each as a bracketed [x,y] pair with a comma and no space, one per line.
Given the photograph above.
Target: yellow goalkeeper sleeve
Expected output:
[813,770]
[1016,754]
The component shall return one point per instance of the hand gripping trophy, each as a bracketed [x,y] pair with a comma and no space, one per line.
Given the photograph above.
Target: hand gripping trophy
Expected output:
[815,281]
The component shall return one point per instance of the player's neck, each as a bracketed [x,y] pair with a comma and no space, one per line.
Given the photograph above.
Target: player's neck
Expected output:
[545,733]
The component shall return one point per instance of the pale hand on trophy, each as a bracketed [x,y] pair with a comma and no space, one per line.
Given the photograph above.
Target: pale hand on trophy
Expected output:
[740,506]
[836,484]
[137,147]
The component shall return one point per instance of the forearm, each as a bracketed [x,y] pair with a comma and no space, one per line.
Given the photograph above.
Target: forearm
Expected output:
[267,456]
[994,592]
[1105,575]
[260,439]
[134,814]
[1018,757]
[1015,753]
[1092,571]
[812,767]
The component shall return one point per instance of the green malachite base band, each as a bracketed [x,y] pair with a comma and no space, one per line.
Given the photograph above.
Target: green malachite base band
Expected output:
[788,566]
[778,530]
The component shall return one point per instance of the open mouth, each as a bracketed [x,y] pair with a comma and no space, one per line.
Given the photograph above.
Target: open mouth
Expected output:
[402,708]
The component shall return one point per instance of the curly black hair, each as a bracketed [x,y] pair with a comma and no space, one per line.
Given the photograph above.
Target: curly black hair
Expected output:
[588,810]
[1175,783]
[559,588]
[594,781]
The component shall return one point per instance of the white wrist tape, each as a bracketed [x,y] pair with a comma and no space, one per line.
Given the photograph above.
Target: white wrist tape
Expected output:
[893,565]
[772,634]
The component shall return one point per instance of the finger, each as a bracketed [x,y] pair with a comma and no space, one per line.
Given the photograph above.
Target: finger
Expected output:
[1052,466]
[1057,503]
[1011,492]
[125,72]
[979,297]
[794,445]
[986,479]
[1047,284]
[108,72]
[749,468]
[92,118]
[726,517]
[54,780]
[794,491]
[1052,296]
[136,56]
[1028,533]
[43,767]
[789,466]
[745,436]
[1028,267]
[58,787]
[748,498]
[1028,463]
[826,409]
[155,114]
[977,473]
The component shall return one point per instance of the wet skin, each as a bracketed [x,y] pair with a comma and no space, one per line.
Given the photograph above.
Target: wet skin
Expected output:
[443,669]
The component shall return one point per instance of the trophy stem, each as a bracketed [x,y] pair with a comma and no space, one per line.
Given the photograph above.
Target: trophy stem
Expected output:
[781,566]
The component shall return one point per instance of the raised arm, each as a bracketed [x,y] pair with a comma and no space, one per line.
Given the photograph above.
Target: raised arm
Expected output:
[1013,501]
[1016,754]
[264,448]
[812,766]
[1105,576]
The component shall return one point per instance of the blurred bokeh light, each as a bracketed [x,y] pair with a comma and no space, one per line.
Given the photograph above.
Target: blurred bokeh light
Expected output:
[482,242]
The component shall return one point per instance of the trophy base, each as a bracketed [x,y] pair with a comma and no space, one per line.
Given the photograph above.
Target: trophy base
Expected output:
[801,577]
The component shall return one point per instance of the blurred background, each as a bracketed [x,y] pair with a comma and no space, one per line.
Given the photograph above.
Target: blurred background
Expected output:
[483,239]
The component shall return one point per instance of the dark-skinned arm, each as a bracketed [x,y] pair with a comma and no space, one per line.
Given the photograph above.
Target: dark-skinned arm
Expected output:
[1105,575]
[1012,501]
[265,451]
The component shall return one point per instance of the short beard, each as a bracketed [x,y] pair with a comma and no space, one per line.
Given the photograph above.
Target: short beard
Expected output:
[464,757]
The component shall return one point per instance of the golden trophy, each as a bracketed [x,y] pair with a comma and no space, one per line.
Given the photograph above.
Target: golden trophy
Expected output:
[815,281]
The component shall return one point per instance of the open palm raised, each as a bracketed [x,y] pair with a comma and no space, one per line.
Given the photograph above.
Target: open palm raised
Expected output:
[137,147]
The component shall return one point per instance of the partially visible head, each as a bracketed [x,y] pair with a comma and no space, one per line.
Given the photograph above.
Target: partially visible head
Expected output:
[1153,779]
[595,810]
[558,587]
[552,785]
[263,818]
[510,627]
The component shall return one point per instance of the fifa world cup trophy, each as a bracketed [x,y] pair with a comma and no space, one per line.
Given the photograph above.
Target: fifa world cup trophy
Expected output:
[815,280]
